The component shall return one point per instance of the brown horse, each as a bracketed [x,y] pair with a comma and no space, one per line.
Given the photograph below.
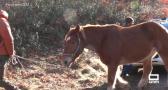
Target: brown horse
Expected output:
[118,45]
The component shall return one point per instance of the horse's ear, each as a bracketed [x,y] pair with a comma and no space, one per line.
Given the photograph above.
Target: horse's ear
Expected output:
[77,28]
[72,26]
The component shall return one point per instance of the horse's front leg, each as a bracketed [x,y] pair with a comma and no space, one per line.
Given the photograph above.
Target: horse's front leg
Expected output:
[120,82]
[147,69]
[111,77]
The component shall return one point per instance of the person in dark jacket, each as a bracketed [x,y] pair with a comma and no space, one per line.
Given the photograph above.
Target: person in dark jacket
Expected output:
[6,49]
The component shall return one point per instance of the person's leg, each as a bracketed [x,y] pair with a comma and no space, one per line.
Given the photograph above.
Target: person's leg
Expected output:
[2,63]
[4,83]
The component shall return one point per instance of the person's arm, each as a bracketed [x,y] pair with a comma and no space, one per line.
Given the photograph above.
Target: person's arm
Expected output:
[6,35]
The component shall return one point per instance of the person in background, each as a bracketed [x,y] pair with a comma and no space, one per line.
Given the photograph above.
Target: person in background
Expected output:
[164,21]
[6,49]
[129,21]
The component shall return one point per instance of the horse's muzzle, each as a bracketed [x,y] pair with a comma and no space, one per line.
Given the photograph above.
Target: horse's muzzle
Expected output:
[67,61]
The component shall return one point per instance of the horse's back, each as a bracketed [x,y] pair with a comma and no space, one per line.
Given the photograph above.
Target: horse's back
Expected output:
[139,40]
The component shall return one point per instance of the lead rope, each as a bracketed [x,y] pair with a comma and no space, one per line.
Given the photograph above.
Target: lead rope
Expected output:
[15,60]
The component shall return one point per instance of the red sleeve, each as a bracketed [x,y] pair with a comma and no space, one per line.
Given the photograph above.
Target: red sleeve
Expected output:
[7,38]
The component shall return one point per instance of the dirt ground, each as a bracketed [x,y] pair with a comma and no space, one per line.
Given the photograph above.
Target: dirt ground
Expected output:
[134,78]
[88,73]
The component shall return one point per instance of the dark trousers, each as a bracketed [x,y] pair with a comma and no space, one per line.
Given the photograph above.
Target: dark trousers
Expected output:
[3,67]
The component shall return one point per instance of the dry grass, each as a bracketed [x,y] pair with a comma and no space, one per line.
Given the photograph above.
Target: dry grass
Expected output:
[87,72]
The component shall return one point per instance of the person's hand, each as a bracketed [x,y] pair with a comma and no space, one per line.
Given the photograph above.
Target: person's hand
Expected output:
[13,58]
[14,53]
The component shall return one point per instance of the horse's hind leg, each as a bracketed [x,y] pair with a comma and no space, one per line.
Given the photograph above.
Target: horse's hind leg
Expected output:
[164,55]
[147,69]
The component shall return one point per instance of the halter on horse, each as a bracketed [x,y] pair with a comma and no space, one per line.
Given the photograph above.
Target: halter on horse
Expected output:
[76,50]
[118,45]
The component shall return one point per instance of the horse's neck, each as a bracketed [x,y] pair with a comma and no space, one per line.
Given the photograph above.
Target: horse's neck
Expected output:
[93,38]
[90,47]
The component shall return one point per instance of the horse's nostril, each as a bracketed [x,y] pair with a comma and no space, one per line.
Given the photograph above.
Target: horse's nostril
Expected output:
[65,62]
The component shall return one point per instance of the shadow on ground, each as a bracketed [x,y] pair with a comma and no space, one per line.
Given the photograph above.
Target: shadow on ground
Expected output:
[134,78]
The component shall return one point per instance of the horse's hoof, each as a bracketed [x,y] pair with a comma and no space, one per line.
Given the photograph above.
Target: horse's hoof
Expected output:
[140,88]
[110,88]
[122,86]
[142,83]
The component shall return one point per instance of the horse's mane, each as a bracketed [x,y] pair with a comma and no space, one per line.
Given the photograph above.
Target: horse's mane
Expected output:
[97,25]
[115,26]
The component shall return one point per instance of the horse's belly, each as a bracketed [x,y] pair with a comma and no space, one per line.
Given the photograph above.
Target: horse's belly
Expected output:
[125,60]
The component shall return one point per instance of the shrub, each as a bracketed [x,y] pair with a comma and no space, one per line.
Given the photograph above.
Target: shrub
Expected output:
[40,25]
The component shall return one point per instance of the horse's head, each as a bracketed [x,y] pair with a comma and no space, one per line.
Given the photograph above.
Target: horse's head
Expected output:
[73,45]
